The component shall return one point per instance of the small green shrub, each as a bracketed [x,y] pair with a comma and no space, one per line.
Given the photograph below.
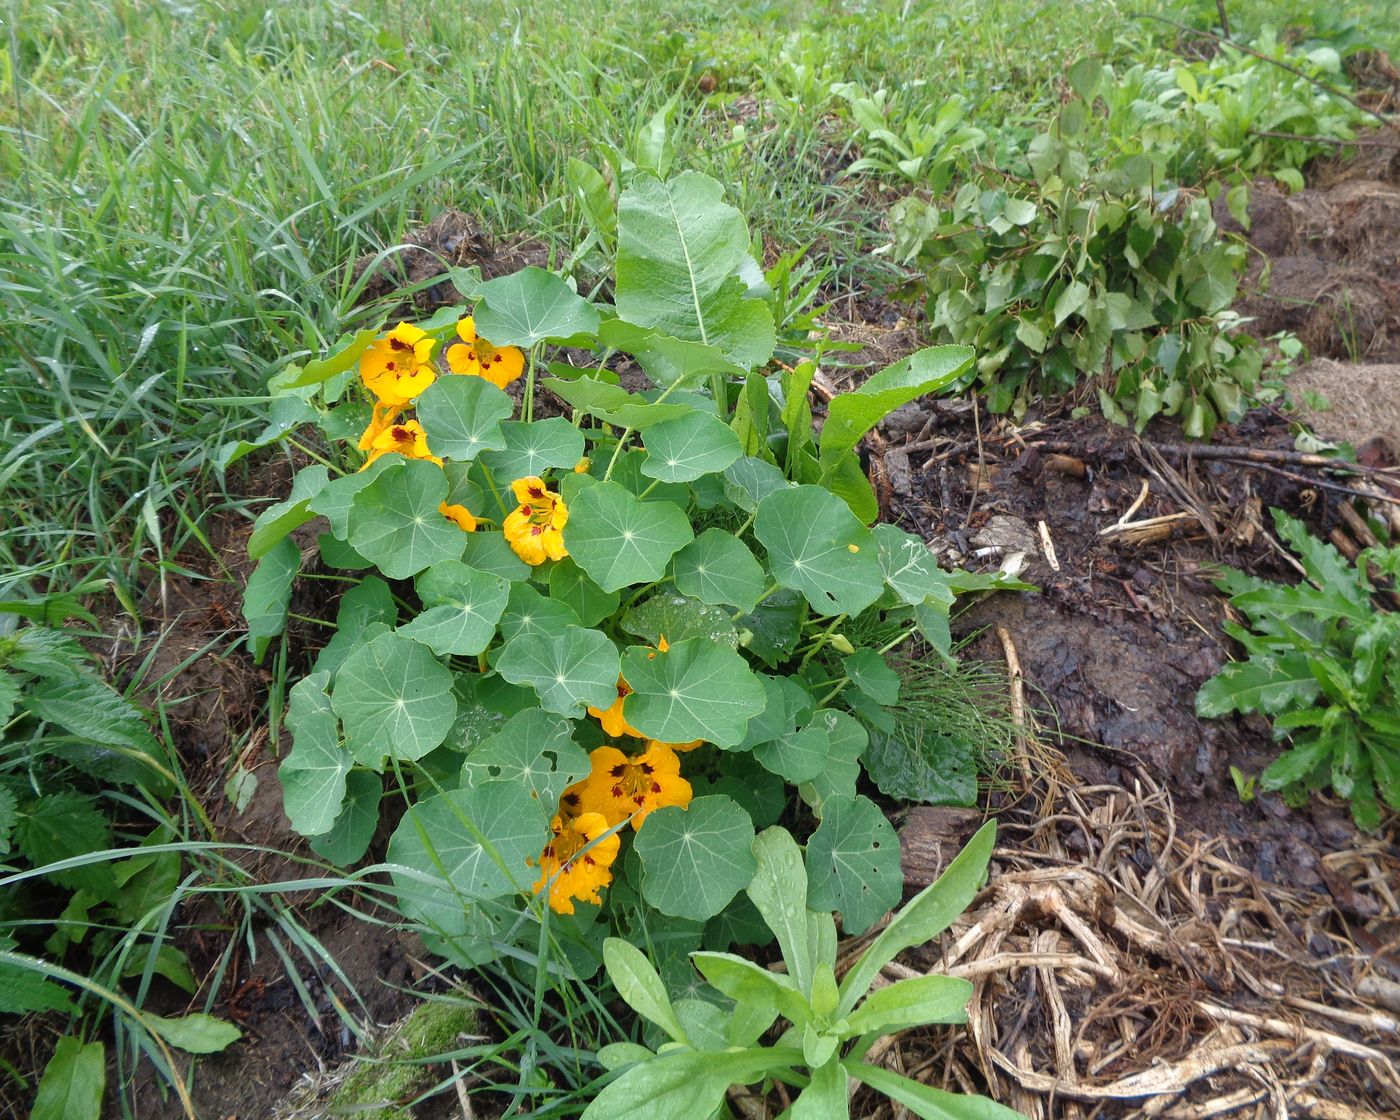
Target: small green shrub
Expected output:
[1323,663]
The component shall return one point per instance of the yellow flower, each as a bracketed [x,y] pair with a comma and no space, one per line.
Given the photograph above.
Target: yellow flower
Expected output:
[381,419]
[581,467]
[534,528]
[614,723]
[407,439]
[459,516]
[478,358]
[577,863]
[619,787]
[397,367]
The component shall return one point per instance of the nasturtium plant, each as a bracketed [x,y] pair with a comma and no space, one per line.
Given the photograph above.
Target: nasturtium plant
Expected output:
[597,637]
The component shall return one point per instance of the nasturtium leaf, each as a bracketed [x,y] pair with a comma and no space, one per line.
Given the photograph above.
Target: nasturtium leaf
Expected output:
[695,690]
[394,698]
[853,863]
[531,615]
[335,498]
[680,253]
[909,568]
[818,547]
[627,472]
[718,568]
[571,669]
[846,741]
[570,585]
[269,591]
[797,756]
[665,359]
[368,603]
[620,540]
[395,521]
[869,673]
[677,617]
[462,608]
[851,415]
[279,519]
[530,306]
[461,417]
[313,774]
[762,794]
[535,750]
[696,859]
[774,626]
[924,764]
[533,448]
[749,480]
[613,404]
[490,552]
[463,846]
[787,705]
[349,837]
[336,553]
[690,446]
[484,702]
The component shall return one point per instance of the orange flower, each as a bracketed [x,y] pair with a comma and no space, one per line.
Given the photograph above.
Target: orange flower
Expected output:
[577,862]
[534,528]
[478,358]
[459,516]
[613,721]
[381,419]
[407,439]
[619,787]
[397,367]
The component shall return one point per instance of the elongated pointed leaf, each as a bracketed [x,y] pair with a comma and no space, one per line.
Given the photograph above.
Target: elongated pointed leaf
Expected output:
[925,1101]
[641,986]
[667,360]
[73,1081]
[779,892]
[910,1003]
[1261,684]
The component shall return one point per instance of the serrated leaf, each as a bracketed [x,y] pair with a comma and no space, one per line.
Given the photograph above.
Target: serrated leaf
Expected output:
[1261,684]
[395,522]
[462,605]
[818,547]
[530,306]
[680,253]
[571,669]
[313,774]
[9,697]
[534,750]
[349,837]
[46,652]
[683,449]
[620,540]
[718,568]
[570,585]
[676,618]
[465,845]
[73,1081]
[269,591]
[851,415]
[853,863]
[695,690]
[23,990]
[533,448]
[923,763]
[696,859]
[394,698]
[61,826]
[9,815]
[115,742]
[461,417]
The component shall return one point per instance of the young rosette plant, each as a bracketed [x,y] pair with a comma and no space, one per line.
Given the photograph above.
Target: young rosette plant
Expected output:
[596,651]
[1323,662]
[830,1026]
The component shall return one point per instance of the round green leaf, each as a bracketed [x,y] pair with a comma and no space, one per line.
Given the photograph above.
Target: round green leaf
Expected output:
[689,446]
[817,546]
[695,690]
[798,756]
[461,416]
[529,306]
[529,614]
[909,568]
[394,698]
[749,480]
[571,669]
[463,846]
[489,552]
[853,863]
[846,742]
[677,617]
[718,568]
[349,837]
[533,448]
[394,521]
[620,540]
[695,860]
[313,774]
[463,607]
[534,750]
[570,585]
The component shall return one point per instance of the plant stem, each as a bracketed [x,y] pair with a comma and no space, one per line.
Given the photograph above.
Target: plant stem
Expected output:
[821,641]
[771,591]
[529,405]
